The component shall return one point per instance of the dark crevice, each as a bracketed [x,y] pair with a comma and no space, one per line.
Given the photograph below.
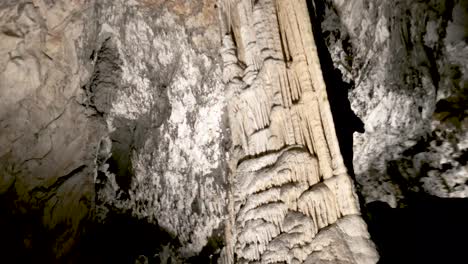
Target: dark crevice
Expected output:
[432,67]
[345,120]
[52,189]
[24,240]
[463,159]
[120,163]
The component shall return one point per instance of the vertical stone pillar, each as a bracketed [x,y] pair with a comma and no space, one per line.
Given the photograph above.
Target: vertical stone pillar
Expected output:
[292,200]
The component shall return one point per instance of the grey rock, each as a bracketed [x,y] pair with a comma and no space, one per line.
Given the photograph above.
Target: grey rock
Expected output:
[164,112]
[408,81]
[48,142]
[105,107]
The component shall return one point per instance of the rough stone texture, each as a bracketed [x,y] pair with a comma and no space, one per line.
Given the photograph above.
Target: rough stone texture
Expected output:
[48,140]
[164,113]
[108,108]
[291,198]
[113,113]
[406,66]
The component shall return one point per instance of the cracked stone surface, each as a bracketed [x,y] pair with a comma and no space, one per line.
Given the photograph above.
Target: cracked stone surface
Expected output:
[48,139]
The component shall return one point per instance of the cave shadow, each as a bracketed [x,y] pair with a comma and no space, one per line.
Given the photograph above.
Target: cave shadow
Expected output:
[22,238]
[122,239]
[126,239]
[428,229]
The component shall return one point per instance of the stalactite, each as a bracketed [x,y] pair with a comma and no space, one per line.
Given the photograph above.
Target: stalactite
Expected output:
[232,70]
[256,235]
[301,253]
[291,167]
[252,109]
[291,192]
[289,182]
[312,127]
[271,212]
[264,16]
[258,199]
[319,203]
[298,223]
[342,188]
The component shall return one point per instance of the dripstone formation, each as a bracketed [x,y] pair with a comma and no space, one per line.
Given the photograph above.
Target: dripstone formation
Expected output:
[291,199]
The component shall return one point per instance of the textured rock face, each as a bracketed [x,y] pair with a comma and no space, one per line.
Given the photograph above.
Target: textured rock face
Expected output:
[110,107]
[406,65]
[164,158]
[48,139]
[291,199]
[114,110]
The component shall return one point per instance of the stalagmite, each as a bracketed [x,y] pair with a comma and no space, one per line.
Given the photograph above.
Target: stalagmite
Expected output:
[288,182]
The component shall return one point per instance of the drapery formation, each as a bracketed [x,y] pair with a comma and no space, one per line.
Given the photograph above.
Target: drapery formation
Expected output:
[290,191]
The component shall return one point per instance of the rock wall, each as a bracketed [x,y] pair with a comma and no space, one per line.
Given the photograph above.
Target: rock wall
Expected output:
[399,70]
[164,157]
[405,65]
[110,108]
[48,138]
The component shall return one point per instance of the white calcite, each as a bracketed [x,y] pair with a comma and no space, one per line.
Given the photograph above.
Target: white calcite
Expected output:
[171,83]
[288,181]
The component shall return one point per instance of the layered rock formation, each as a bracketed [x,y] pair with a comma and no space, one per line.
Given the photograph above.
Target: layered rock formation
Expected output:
[291,199]
[402,66]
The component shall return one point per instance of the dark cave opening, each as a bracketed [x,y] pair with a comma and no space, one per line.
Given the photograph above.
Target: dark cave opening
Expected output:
[23,240]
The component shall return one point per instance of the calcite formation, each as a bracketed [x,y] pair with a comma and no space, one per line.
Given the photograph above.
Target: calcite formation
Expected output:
[289,186]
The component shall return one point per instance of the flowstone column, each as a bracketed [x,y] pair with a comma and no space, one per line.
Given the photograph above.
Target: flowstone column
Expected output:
[291,199]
